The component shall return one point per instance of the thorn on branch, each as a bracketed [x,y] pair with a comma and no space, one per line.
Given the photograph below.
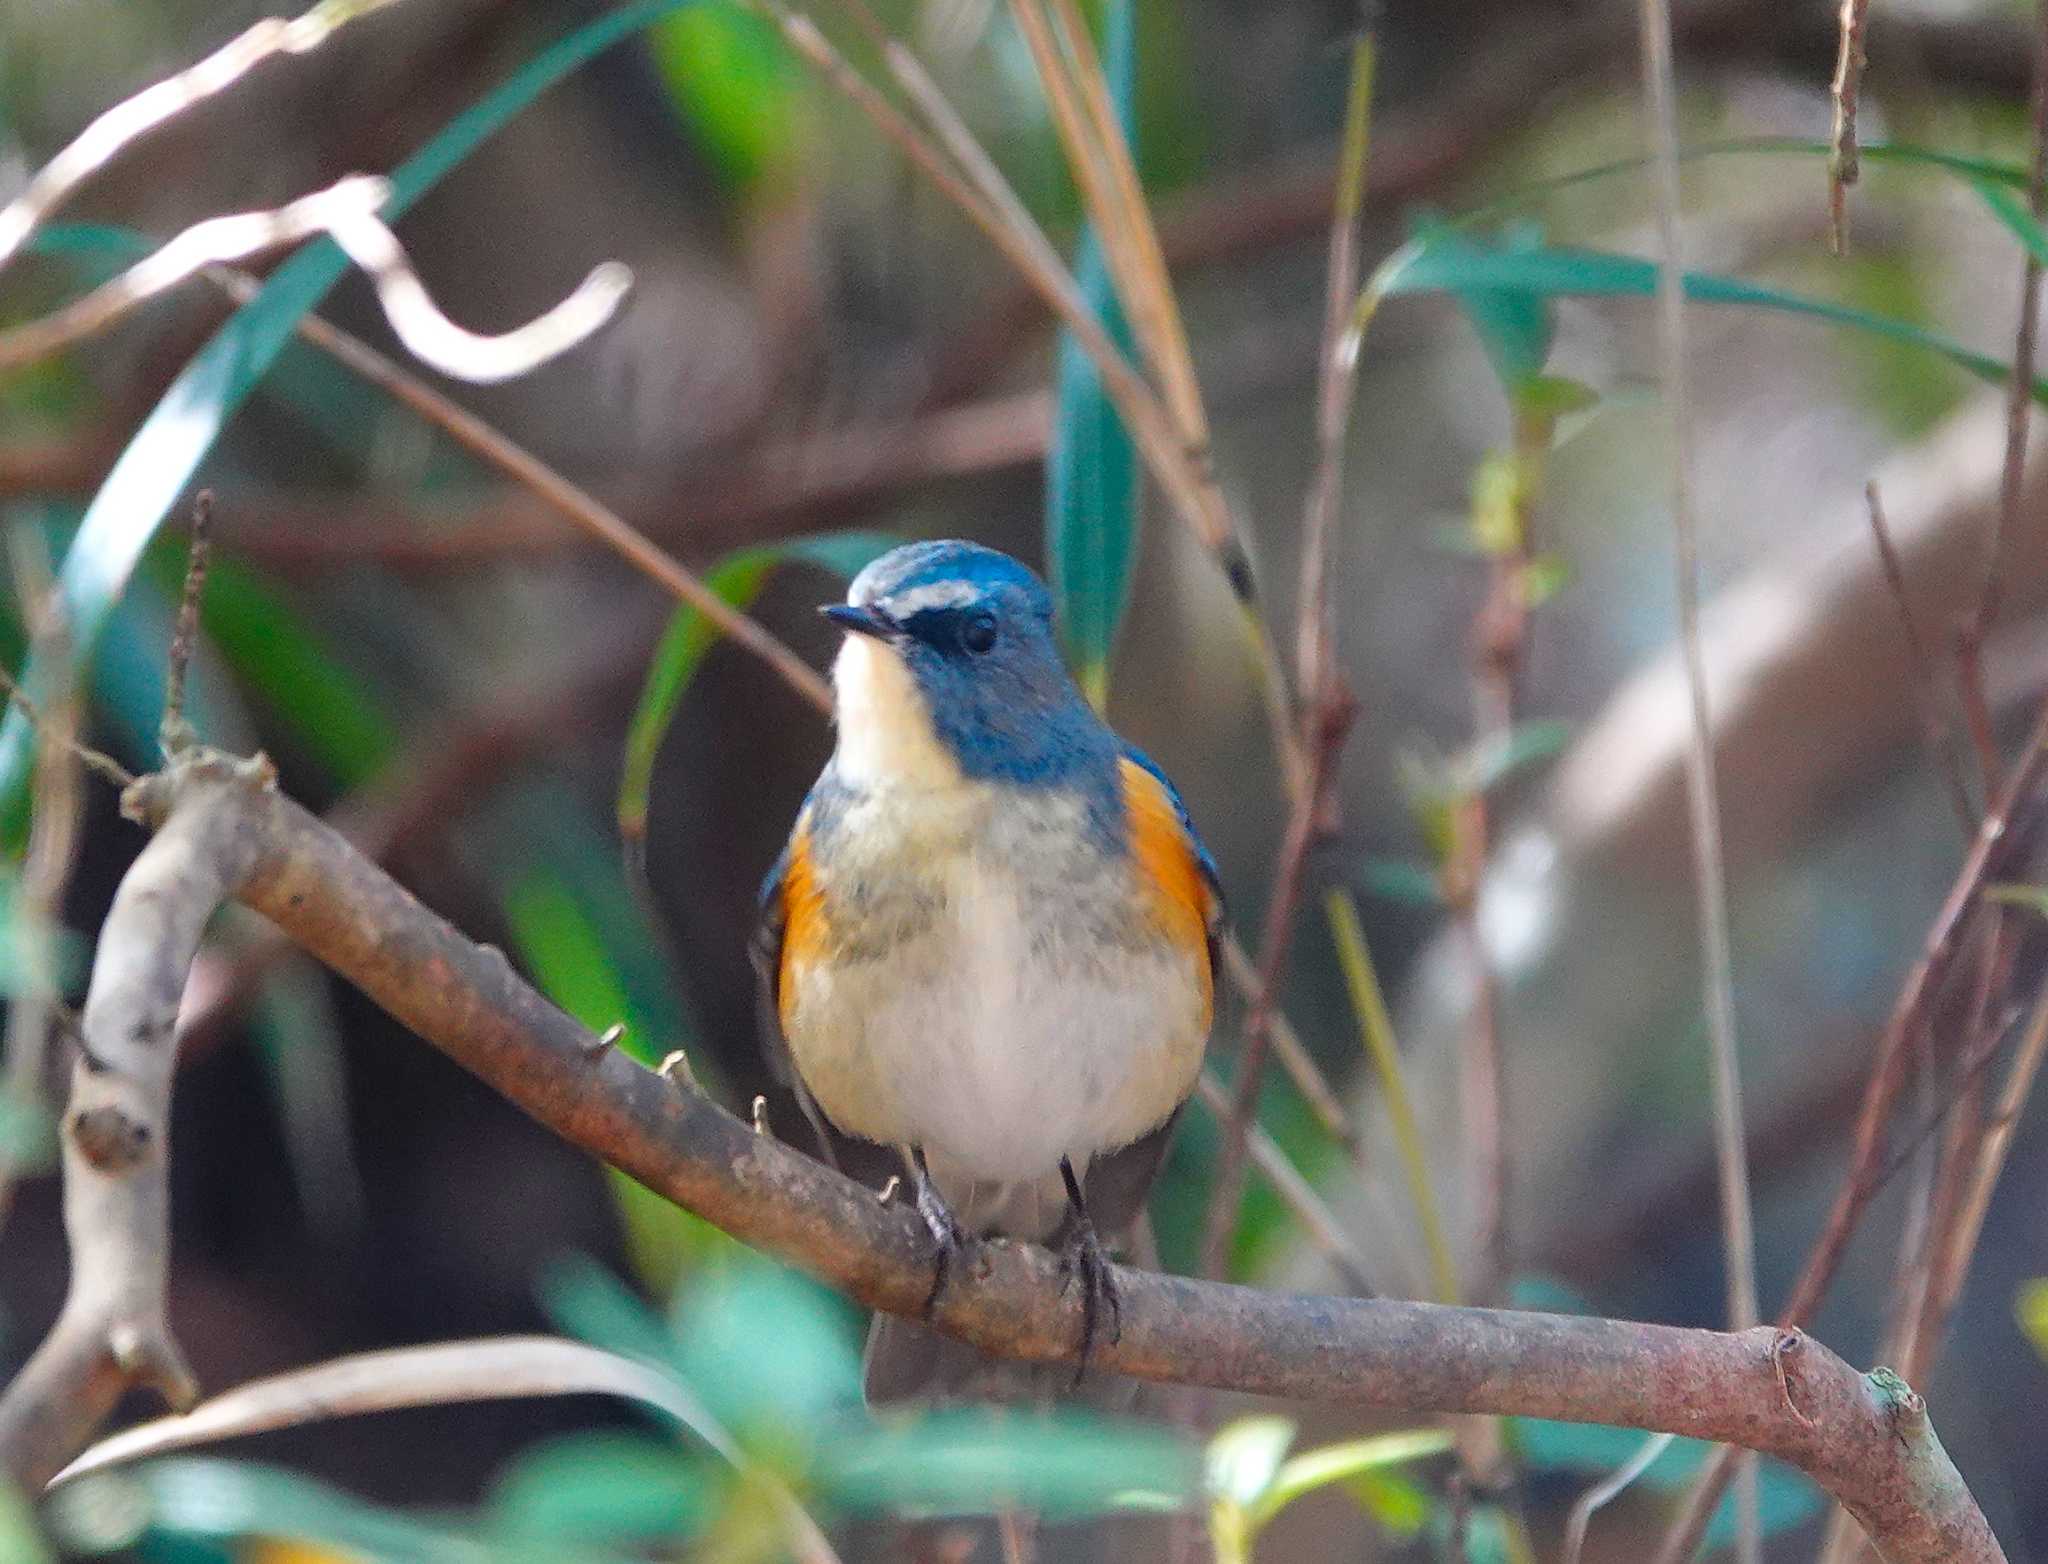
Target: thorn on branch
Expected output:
[675,1069]
[605,1041]
[887,1192]
[760,1116]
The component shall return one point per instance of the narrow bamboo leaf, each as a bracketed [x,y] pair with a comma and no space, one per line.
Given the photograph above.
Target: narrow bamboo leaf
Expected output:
[1426,266]
[1338,1463]
[494,1368]
[1514,325]
[168,1507]
[1244,1457]
[160,460]
[2010,210]
[1092,488]
[1898,153]
[738,580]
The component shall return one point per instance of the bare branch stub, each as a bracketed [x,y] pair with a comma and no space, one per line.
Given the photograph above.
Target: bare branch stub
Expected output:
[176,735]
[112,1333]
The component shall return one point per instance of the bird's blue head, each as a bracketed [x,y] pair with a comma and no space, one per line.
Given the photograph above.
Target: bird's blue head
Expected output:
[950,670]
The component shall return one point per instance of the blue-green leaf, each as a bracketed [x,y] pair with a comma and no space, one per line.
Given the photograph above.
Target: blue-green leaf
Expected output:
[603,1488]
[1092,489]
[963,1462]
[1514,324]
[1430,264]
[206,1500]
[737,579]
[176,436]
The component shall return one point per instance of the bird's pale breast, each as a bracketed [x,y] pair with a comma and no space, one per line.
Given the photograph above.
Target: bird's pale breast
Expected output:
[966,968]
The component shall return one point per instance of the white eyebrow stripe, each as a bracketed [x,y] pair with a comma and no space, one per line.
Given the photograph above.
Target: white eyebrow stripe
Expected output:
[939,594]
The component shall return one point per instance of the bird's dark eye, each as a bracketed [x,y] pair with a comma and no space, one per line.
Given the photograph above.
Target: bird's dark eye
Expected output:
[978,631]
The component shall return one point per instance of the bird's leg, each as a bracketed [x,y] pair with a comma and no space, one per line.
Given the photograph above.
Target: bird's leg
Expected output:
[948,1237]
[1082,1258]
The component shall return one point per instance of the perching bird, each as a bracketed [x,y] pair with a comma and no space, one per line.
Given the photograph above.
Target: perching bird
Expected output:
[990,940]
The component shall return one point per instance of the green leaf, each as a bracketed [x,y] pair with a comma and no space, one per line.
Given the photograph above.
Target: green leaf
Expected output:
[737,579]
[602,1488]
[1407,884]
[975,1462]
[2030,1308]
[2032,897]
[768,1350]
[1443,262]
[1524,745]
[20,1541]
[1245,1455]
[2010,210]
[181,429]
[1514,324]
[205,1500]
[1402,1506]
[733,81]
[1092,486]
[1340,1463]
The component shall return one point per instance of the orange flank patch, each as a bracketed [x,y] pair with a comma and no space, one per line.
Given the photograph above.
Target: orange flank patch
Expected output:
[1167,866]
[804,929]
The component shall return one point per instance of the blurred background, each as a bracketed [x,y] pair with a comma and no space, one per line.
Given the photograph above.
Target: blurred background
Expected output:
[817,345]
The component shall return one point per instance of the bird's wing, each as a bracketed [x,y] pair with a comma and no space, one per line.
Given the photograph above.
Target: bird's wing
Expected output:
[787,919]
[1170,852]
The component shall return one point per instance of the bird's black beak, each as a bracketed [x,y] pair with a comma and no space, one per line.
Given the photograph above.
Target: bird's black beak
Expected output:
[862,621]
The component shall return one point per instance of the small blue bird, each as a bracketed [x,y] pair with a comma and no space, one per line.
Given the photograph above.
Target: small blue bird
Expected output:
[990,942]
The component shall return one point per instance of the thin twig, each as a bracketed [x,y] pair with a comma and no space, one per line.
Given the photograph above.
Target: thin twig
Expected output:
[1606,1491]
[1295,1191]
[1926,692]
[100,764]
[1329,709]
[36,1002]
[499,451]
[1377,1029]
[1710,873]
[971,181]
[1290,880]
[1844,166]
[2019,404]
[176,733]
[2007,828]
[1292,1052]
[133,118]
[347,213]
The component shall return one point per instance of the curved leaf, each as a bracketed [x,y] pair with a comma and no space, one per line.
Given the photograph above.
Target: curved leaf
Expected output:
[1445,262]
[183,426]
[738,579]
[498,1368]
[1092,488]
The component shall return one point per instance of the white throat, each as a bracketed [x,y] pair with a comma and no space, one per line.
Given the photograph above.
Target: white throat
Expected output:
[885,727]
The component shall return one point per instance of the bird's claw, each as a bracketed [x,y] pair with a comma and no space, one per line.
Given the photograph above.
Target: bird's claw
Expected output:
[1082,1259]
[949,1239]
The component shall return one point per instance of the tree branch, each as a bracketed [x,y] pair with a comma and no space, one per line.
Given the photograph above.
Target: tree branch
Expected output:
[224,830]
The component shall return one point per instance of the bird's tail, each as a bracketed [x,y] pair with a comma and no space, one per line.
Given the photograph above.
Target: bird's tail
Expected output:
[909,1363]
